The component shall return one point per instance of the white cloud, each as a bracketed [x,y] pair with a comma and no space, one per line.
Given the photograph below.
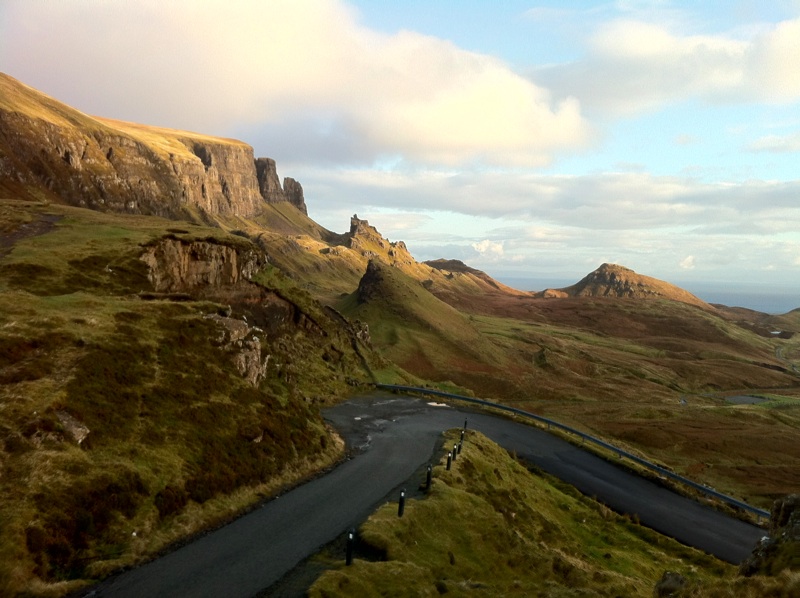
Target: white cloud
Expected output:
[488,248]
[302,67]
[633,66]
[777,144]
[625,201]
[687,263]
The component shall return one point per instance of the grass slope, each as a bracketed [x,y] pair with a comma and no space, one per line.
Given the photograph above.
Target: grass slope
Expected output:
[414,328]
[178,438]
[651,375]
[491,528]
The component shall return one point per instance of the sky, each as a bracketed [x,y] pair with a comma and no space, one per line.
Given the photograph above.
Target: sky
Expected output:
[533,140]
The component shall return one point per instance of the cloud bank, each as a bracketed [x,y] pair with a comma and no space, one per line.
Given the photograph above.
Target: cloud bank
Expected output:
[301,67]
[633,66]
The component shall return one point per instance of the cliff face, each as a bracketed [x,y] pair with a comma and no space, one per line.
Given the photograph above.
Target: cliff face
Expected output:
[51,151]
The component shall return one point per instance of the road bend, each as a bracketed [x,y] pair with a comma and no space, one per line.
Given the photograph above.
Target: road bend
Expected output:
[392,436]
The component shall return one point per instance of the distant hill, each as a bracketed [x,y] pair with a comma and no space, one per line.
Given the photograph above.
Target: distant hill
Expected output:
[612,280]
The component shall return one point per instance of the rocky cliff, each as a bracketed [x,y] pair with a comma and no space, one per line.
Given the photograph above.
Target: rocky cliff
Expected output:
[270,187]
[51,151]
[366,240]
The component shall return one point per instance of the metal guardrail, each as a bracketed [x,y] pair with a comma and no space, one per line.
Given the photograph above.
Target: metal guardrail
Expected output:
[621,452]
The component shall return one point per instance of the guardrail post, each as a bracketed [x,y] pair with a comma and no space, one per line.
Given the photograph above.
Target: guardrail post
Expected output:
[401,506]
[351,540]
[449,460]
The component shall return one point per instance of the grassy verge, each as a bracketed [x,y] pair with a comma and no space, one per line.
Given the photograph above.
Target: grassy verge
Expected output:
[491,528]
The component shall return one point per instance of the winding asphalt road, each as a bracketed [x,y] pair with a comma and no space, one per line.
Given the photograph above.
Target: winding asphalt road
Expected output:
[394,436]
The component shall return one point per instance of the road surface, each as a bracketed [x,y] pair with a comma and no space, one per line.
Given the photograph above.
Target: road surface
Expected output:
[392,436]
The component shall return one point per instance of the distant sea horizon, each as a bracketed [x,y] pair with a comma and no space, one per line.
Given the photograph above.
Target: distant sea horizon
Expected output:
[767,300]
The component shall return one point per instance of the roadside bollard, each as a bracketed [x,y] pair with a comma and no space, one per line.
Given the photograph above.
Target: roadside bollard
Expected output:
[465,423]
[459,448]
[462,436]
[428,478]
[351,539]
[401,506]
[455,452]
[449,460]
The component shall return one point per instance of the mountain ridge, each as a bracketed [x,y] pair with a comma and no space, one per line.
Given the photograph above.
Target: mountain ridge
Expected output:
[49,150]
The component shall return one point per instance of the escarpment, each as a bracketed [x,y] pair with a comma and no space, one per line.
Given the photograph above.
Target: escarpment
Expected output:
[51,151]
[227,273]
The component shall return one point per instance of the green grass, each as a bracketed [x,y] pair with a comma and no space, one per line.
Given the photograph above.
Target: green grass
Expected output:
[777,401]
[490,527]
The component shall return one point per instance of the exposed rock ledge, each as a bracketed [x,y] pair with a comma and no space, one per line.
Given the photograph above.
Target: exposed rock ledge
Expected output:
[177,266]
[244,343]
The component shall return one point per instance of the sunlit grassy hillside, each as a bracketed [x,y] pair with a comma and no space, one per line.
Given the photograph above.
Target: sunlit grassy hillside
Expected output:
[651,375]
[489,527]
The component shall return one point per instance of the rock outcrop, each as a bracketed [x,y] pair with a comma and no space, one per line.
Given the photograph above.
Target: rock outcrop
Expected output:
[270,186]
[244,343]
[294,194]
[177,266]
[366,240]
[51,151]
